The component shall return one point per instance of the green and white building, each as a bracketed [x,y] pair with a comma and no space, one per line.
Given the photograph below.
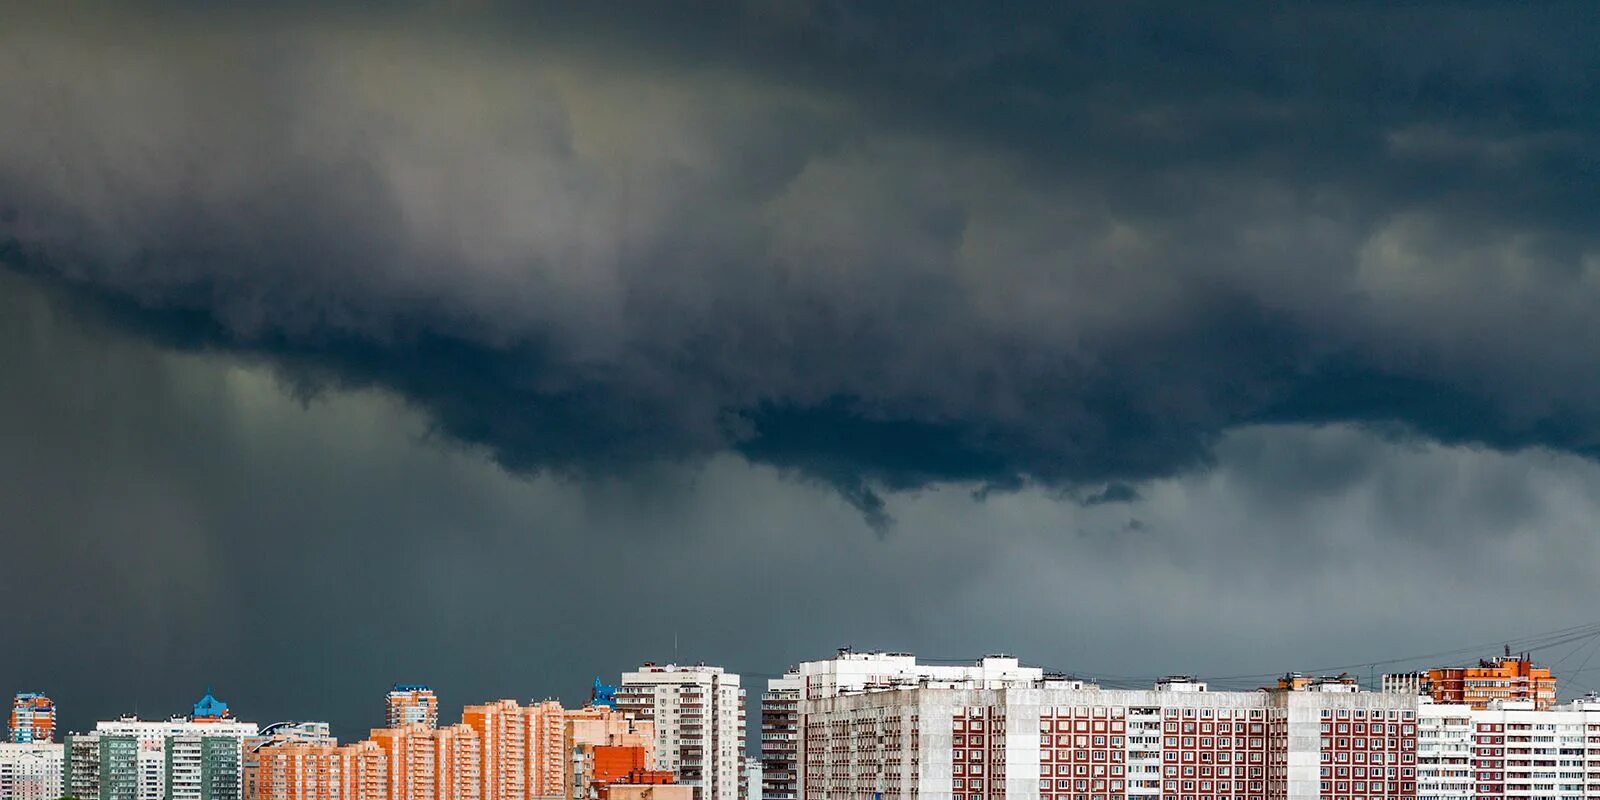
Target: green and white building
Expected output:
[200,757]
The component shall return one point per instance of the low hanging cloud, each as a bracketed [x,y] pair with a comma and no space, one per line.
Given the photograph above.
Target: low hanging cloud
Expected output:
[882,251]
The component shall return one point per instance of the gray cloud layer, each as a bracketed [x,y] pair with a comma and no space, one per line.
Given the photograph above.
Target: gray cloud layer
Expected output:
[882,249]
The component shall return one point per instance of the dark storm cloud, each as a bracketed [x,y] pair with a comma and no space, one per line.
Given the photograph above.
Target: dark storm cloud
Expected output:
[881,249]
[180,521]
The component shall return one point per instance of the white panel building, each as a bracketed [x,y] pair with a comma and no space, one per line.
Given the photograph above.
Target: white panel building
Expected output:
[699,719]
[1508,750]
[183,759]
[850,671]
[780,737]
[1060,739]
[30,771]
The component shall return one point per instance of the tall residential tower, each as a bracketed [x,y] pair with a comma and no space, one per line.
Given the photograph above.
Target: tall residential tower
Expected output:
[698,712]
[33,719]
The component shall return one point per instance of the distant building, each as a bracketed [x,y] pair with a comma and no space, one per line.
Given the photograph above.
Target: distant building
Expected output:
[780,734]
[412,704]
[31,771]
[1297,682]
[699,719]
[502,730]
[850,671]
[431,763]
[1506,678]
[1506,751]
[549,749]
[298,770]
[33,719]
[200,757]
[277,735]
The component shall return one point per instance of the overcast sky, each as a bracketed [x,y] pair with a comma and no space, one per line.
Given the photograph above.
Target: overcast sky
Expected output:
[498,348]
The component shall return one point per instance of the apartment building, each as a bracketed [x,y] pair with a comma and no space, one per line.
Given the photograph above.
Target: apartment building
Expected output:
[411,704]
[31,771]
[33,719]
[312,771]
[1508,750]
[431,763]
[1506,678]
[503,732]
[849,671]
[699,718]
[780,735]
[200,757]
[1066,739]
[549,748]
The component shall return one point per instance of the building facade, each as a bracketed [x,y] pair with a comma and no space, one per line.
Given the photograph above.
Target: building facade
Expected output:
[548,749]
[33,719]
[431,763]
[1509,750]
[1506,679]
[132,759]
[780,734]
[200,757]
[849,671]
[502,729]
[1062,739]
[31,771]
[411,704]
[699,718]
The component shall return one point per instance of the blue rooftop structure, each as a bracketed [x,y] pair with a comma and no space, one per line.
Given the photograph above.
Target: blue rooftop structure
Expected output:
[603,695]
[210,707]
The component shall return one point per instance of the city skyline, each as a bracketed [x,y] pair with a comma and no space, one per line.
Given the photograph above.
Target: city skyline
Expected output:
[879,723]
[1575,648]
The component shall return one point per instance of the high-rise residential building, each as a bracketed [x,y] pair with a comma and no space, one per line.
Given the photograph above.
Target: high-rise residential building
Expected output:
[549,749]
[431,763]
[1504,751]
[80,767]
[31,771]
[458,758]
[1065,739]
[33,719]
[780,733]
[305,771]
[411,704]
[200,757]
[752,778]
[699,719]
[502,729]
[277,735]
[409,752]
[1505,678]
